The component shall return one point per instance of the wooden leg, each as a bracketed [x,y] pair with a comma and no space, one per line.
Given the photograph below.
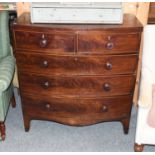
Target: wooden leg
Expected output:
[125,123]
[13,101]
[2,130]
[138,147]
[27,121]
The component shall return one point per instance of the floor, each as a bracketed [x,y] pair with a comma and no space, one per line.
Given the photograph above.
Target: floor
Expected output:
[49,136]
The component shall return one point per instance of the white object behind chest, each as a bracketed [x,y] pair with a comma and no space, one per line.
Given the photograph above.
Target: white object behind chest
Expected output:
[107,13]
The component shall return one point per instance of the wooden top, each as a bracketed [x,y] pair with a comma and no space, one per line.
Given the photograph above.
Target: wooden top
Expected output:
[130,22]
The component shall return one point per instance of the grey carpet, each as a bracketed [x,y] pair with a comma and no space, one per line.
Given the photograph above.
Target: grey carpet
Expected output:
[50,136]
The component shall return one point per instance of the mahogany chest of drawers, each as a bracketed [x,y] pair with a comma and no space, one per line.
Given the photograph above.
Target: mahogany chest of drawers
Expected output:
[77,74]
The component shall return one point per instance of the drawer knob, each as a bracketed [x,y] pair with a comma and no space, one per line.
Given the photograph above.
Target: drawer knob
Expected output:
[43,41]
[45,63]
[110,45]
[106,87]
[48,106]
[108,66]
[46,84]
[105,108]
[76,59]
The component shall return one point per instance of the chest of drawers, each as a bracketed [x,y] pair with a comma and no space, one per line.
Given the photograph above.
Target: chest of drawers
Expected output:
[77,74]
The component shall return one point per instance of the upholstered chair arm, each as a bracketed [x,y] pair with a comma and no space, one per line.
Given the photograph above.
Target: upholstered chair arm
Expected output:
[7,66]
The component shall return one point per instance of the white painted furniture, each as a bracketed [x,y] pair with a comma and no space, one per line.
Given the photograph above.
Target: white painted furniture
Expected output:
[145,134]
[77,12]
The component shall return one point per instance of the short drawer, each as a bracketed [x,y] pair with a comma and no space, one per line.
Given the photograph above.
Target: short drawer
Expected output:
[40,41]
[108,43]
[80,110]
[77,85]
[76,65]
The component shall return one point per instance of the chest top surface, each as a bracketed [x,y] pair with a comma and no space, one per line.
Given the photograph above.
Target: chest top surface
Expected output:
[130,23]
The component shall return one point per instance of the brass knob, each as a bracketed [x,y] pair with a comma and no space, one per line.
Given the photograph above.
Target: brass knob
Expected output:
[108,66]
[110,45]
[107,87]
[104,108]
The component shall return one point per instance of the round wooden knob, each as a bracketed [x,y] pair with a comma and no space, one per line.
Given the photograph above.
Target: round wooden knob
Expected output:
[48,106]
[108,66]
[110,45]
[106,87]
[76,59]
[104,108]
[46,84]
[43,41]
[45,63]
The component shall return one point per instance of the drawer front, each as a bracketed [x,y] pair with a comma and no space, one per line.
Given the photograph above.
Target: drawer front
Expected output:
[108,43]
[44,41]
[77,85]
[79,65]
[81,110]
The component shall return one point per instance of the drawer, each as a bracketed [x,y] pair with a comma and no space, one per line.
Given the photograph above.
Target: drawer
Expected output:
[108,43]
[76,65]
[80,110]
[77,85]
[38,41]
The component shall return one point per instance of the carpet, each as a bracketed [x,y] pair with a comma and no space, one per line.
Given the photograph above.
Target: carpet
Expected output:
[46,136]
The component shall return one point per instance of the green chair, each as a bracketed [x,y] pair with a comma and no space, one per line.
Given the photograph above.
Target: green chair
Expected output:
[7,65]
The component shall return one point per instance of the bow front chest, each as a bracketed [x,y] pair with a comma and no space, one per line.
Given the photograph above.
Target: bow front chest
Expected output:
[77,74]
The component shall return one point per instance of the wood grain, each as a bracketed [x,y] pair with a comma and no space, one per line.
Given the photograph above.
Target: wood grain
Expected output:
[97,42]
[53,42]
[77,85]
[77,74]
[77,111]
[76,65]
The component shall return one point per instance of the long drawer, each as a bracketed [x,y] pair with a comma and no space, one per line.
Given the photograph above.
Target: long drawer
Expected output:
[108,43]
[77,65]
[76,85]
[43,41]
[77,111]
